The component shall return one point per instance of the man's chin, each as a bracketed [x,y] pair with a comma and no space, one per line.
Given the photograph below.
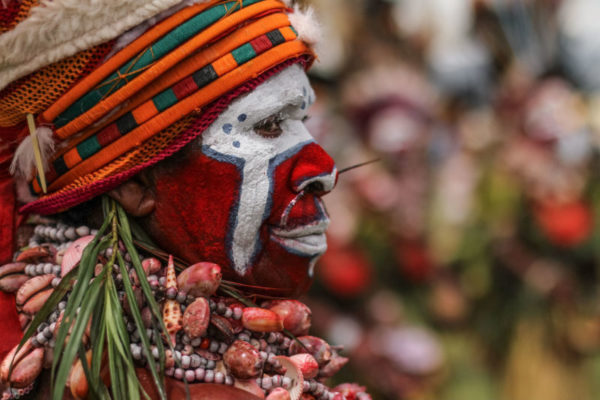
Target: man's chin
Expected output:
[278,272]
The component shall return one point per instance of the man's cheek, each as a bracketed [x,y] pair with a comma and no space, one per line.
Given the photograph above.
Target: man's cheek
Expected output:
[201,195]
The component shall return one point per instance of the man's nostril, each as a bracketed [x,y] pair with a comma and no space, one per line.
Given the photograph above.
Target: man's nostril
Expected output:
[315,187]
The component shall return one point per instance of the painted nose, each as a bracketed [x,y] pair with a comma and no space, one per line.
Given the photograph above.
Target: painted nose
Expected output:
[314,171]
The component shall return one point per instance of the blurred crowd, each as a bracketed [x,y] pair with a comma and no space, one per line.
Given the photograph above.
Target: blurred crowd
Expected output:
[465,263]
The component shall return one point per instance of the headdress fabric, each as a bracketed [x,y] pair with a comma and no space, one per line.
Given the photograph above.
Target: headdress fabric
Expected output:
[138,106]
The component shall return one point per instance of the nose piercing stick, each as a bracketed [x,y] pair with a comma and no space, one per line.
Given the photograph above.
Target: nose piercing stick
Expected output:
[357,166]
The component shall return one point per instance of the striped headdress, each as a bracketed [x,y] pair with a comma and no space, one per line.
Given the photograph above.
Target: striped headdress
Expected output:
[93,91]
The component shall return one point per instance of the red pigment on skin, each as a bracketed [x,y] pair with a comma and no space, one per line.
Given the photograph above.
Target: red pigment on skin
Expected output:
[195,200]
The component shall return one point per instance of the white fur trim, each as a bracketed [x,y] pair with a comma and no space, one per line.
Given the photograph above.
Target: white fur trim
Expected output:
[306,24]
[23,162]
[57,29]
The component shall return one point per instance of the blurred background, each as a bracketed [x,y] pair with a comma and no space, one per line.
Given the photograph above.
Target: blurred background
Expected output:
[465,264]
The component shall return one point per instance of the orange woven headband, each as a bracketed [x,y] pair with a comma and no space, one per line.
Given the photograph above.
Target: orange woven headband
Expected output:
[145,92]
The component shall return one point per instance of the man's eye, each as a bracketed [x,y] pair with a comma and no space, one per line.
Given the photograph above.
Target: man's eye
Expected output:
[269,127]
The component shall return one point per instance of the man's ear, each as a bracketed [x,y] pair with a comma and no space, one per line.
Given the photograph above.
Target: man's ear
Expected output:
[135,196]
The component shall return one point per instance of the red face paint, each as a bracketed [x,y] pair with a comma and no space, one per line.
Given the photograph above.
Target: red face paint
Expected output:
[196,203]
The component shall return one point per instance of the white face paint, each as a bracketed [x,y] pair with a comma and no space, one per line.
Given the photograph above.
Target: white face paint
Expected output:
[232,138]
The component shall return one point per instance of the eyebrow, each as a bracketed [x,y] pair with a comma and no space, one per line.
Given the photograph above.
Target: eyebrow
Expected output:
[293,98]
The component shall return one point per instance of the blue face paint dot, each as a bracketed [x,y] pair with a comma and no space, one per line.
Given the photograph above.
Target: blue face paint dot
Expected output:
[304,91]
[227,128]
[310,100]
[236,144]
[303,106]
[242,117]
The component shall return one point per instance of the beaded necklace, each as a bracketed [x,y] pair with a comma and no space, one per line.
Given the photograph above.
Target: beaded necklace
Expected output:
[216,331]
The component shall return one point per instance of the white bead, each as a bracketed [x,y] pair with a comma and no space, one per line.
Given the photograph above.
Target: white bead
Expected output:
[185,362]
[48,268]
[82,230]
[70,233]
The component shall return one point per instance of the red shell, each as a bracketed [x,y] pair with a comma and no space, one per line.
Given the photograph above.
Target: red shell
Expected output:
[296,315]
[73,254]
[196,318]
[261,320]
[243,360]
[201,279]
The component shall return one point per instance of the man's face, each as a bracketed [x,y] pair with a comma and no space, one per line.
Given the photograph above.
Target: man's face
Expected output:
[248,195]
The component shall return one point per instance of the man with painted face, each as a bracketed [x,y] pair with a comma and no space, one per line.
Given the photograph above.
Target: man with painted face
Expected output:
[246,194]
[189,114]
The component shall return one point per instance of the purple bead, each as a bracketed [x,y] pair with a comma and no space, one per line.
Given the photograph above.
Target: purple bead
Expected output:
[178,374]
[190,375]
[305,386]
[181,297]
[185,361]
[171,293]
[266,383]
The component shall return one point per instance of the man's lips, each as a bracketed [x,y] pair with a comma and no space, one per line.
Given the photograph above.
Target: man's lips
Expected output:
[306,240]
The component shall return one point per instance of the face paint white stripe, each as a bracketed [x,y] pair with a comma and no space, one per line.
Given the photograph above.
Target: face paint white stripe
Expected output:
[232,139]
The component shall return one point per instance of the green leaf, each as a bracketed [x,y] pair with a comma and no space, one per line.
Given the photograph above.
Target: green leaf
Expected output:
[72,347]
[125,235]
[140,235]
[81,287]
[119,340]
[137,317]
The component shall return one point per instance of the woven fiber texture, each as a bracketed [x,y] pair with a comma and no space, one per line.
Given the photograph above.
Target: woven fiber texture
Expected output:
[14,12]
[37,91]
